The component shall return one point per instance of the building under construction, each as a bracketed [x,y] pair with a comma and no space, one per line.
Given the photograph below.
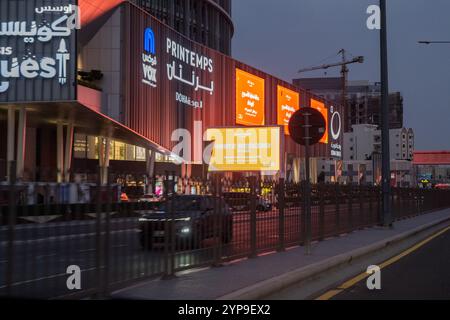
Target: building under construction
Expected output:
[363,100]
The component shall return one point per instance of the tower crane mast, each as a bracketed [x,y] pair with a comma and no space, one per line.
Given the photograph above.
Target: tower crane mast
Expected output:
[344,71]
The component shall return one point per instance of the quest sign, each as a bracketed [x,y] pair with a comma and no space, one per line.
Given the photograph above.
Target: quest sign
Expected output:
[38,50]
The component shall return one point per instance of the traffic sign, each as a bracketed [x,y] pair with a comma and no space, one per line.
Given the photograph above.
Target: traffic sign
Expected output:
[307,126]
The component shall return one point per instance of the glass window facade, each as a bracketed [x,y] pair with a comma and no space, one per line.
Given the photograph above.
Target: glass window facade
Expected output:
[205,21]
[86,147]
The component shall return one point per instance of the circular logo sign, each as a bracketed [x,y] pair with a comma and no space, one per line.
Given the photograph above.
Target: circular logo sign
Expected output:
[336,124]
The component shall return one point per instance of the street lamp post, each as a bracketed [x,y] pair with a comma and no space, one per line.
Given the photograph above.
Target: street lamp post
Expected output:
[386,170]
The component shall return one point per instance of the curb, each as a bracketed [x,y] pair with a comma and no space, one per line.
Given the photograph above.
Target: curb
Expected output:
[278,283]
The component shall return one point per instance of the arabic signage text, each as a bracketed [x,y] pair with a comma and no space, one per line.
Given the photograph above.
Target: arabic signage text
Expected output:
[288,103]
[38,50]
[249,99]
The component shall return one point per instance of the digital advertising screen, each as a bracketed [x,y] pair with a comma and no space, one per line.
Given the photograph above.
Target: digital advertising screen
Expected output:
[288,102]
[249,99]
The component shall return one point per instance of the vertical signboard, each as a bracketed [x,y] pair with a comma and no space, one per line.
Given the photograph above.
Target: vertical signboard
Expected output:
[249,99]
[320,106]
[38,50]
[335,132]
[339,170]
[287,104]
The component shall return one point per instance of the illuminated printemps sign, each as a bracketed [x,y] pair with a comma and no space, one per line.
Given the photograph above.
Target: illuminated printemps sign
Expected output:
[245,149]
[249,99]
[320,106]
[335,132]
[189,68]
[288,103]
[37,50]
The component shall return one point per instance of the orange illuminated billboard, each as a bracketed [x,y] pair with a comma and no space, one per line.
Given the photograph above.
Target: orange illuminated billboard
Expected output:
[287,104]
[245,149]
[320,106]
[249,99]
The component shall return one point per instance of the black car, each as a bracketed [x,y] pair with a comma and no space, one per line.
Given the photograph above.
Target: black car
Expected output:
[194,218]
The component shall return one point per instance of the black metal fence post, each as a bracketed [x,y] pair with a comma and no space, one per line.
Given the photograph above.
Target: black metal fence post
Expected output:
[361,194]
[321,191]
[170,231]
[303,205]
[337,208]
[218,222]
[11,228]
[370,196]
[106,243]
[379,208]
[281,218]
[350,207]
[98,233]
[253,227]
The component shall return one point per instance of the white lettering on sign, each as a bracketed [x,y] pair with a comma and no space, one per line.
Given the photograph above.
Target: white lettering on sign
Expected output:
[193,81]
[336,131]
[189,57]
[198,63]
[149,60]
[29,66]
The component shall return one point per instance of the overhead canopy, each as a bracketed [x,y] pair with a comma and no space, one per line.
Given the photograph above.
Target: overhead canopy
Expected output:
[86,118]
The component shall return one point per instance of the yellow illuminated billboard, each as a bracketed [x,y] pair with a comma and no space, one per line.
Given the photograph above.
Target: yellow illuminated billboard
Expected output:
[288,103]
[245,149]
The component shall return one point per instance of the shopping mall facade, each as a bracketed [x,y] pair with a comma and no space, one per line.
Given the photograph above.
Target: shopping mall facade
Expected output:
[106,92]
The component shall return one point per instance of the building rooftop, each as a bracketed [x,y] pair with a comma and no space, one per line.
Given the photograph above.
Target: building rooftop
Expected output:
[439,157]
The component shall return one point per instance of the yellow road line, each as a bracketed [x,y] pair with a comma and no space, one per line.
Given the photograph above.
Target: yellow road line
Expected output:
[349,283]
[330,294]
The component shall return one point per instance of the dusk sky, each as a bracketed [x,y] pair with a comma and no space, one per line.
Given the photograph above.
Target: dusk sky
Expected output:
[282,36]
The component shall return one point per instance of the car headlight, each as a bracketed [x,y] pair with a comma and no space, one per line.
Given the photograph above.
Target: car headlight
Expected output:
[185,230]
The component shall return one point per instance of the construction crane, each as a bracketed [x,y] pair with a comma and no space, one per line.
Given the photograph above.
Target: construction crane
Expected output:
[344,71]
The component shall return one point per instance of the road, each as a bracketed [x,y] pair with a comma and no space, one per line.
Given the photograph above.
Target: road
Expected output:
[422,274]
[43,251]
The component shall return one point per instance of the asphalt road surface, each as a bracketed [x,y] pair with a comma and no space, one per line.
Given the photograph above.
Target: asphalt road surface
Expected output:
[421,275]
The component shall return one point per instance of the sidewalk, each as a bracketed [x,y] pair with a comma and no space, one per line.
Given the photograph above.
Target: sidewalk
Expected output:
[237,280]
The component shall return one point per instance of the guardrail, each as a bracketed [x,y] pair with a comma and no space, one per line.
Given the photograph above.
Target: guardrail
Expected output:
[115,244]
